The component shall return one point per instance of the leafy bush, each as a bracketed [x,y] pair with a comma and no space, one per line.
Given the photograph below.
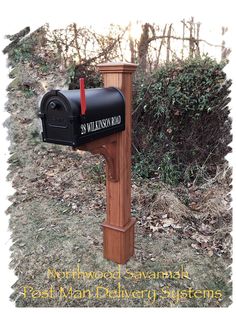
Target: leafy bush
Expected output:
[92,77]
[181,121]
[23,51]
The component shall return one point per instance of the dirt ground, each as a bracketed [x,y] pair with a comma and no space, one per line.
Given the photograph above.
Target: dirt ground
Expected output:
[57,211]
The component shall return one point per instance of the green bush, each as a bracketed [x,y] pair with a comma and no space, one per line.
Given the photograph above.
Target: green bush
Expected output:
[181,121]
[23,51]
[93,78]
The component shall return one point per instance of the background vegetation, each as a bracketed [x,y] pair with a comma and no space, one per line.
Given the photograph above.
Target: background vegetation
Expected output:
[180,180]
[181,120]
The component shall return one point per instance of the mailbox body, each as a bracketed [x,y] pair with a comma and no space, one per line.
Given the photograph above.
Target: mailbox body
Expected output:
[60,111]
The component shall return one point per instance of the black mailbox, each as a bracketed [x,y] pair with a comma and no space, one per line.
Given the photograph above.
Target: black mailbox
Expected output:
[64,121]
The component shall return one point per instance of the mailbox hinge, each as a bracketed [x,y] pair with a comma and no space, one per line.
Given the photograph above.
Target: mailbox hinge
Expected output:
[41,115]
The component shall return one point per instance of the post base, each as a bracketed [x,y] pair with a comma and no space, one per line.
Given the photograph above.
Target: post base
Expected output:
[118,242]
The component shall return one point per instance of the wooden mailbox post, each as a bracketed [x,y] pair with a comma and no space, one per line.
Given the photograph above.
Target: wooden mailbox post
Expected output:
[118,228]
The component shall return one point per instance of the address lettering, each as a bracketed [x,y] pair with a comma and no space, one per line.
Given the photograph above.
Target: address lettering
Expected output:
[94,126]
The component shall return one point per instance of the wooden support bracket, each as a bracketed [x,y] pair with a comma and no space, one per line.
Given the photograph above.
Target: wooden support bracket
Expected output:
[107,147]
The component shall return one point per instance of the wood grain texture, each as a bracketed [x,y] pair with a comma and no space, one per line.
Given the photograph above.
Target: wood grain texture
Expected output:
[118,229]
[119,75]
[118,242]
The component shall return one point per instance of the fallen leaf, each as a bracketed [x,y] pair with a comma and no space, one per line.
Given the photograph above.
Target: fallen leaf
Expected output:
[193,205]
[210,253]
[200,238]
[195,246]
[154,228]
[168,222]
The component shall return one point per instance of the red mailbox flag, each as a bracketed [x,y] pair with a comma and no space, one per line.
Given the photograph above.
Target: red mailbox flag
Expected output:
[82,96]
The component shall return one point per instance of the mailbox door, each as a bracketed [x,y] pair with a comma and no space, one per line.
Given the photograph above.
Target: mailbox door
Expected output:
[60,126]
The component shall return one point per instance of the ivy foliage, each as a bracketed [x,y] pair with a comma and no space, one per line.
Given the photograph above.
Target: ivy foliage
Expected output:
[181,123]
[93,78]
